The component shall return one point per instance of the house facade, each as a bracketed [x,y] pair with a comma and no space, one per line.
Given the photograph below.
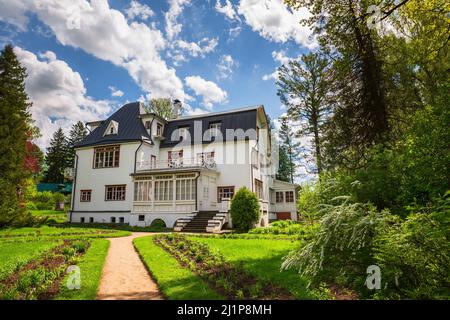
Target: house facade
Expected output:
[137,168]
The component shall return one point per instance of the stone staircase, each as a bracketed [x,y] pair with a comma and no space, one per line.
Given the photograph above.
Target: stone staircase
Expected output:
[199,222]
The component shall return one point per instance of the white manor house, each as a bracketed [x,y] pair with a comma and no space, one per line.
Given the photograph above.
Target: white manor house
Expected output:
[136,167]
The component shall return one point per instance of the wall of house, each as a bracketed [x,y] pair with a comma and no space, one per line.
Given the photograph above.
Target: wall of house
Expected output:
[285,207]
[89,178]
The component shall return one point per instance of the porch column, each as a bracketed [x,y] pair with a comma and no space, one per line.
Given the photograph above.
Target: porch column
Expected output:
[153,194]
[174,190]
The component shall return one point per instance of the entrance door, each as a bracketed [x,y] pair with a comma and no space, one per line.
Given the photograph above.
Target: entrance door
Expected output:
[283,215]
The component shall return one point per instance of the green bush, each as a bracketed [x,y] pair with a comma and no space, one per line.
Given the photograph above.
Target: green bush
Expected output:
[244,210]
[288,227]
[158,224]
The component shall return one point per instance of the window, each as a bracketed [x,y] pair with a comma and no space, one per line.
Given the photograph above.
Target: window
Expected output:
[113,128]
[115,193]
[279,196]
[289,196]
[205,157]
[106,157]
[153,161]
[183,133]
[91,220]
[113,219]
[214,129]
[142,191]
[82,219]
[224,193]
[185,189]
[159,129]
[121,220]
[85,195]
[164,190]
[141,217]
[259,188]
[175,158]
[148,125]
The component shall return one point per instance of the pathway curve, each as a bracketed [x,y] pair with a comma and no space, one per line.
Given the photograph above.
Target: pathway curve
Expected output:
[124,275]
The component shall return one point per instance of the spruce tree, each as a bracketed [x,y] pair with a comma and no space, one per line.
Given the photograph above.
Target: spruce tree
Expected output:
[15,130]
[56,158]
[289,152]
[77,133]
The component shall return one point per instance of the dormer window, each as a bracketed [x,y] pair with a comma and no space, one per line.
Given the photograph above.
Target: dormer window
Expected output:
[148,125]
[159,129]
[214,129]
[183,133]
[113,128]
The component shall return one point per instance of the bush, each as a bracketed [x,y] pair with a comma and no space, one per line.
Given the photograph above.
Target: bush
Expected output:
[288,227]
[158,224]
[244,210]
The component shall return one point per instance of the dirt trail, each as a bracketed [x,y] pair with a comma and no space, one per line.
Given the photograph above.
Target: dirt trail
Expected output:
[124,275]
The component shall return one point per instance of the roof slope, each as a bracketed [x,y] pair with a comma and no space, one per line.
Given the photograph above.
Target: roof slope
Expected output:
[244,119]
[131,127]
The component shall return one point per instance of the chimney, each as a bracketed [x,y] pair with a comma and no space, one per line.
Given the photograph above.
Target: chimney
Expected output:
[177,105]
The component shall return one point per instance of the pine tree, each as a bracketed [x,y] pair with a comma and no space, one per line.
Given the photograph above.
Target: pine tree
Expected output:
[77,133]
[15,130]
[289,152]
[56,158]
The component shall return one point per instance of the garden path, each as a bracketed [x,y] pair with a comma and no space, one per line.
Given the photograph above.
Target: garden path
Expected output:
[124,276]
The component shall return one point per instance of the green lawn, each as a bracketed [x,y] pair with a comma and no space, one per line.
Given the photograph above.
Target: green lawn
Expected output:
[91,265]
[175,282]
[13,254]
[262,258]
[55,232]
[58,216]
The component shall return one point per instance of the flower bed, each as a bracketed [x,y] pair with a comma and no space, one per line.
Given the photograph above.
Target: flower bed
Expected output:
[227,279]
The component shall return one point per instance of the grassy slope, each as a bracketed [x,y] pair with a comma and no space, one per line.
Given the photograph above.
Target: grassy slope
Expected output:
[263,259]
[91,265]
[175,282]
[58,216]
[14,254]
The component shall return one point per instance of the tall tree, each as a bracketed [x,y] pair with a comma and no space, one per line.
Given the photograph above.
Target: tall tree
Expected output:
[302,87]
[15,130]
[56,158]
[77,133]
[163,107]
[289,152]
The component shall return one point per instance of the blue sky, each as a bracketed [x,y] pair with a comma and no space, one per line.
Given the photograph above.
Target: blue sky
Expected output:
[87,58]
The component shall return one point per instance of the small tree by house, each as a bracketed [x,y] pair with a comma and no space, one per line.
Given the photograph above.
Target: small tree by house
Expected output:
[244,210]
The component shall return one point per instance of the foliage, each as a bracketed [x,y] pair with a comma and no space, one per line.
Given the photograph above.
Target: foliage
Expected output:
[15,131]
[162,107]
[56,158]
[158,224]
[414,256]
[77,133]
[302,87]
[244,210]
[289,152]
[288,227]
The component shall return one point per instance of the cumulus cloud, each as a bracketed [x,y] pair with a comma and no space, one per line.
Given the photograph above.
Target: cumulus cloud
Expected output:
[58,94]
[173,27]
[115,92]
[280,57]
[106,34]
[270,76]
[210,91]
[139,10]
[275,22]
[201,48]
[225,66]
[227,9]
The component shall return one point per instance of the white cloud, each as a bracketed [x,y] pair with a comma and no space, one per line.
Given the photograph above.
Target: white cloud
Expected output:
[234,32]
[275,22]
[139,10]
[106,34]
[201,48]
[57,92]
[280,56]
[115,92]
[227,9]
[270,76]
[13,12]
[225,66]
[173,28]
[210,91]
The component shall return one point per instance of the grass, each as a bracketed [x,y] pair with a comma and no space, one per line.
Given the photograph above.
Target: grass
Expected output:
[13,255]
[174,281]
[91,265]
[58,216]
[262,258]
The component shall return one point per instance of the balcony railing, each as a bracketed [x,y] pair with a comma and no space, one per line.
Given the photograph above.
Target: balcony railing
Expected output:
[181,163]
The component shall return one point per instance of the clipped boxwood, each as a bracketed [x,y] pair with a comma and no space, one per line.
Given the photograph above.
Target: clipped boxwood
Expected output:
[244,210]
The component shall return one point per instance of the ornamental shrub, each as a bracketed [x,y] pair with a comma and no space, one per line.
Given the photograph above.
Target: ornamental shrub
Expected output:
[244,210]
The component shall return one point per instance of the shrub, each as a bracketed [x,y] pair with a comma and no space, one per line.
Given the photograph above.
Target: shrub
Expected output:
[158,224]
[244,210]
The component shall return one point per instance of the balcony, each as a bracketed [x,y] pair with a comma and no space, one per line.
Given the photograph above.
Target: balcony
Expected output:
[177,164]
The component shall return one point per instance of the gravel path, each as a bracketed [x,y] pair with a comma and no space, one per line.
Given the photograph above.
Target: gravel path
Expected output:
[124,275]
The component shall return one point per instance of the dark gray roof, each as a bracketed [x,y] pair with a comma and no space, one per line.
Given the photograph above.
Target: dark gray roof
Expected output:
[235,119]
[131,127]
